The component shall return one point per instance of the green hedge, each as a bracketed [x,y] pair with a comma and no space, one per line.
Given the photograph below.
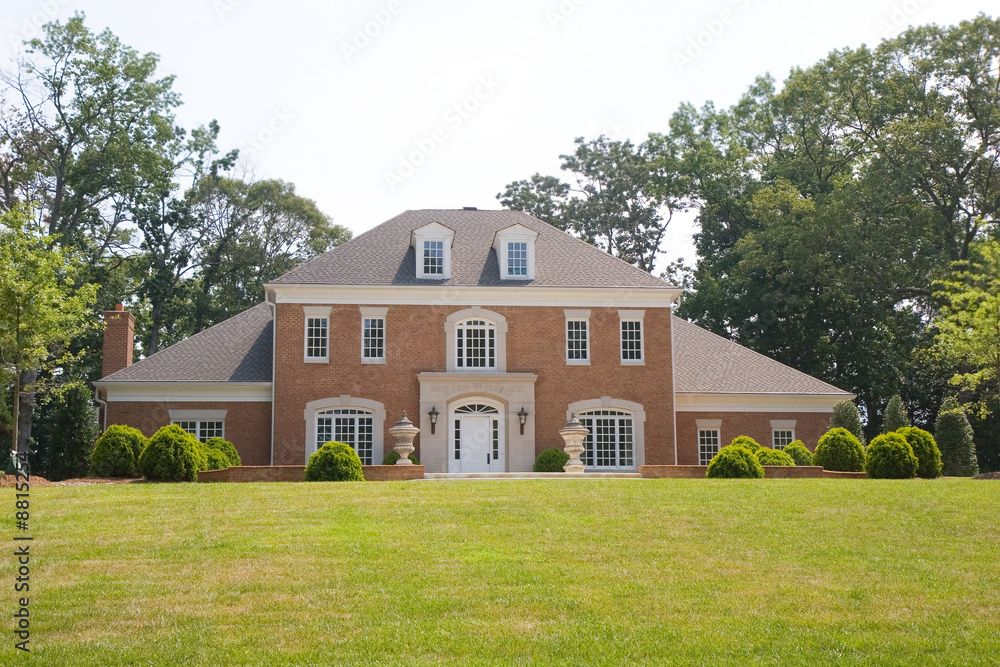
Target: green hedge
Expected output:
[745,441]
[799,453]
[735,462]
[774,457]
[838,449]
[334,462]
[890,457]
[117,452]
[172,455]
[393,456]
[551,460]
[227,449]
[925,449]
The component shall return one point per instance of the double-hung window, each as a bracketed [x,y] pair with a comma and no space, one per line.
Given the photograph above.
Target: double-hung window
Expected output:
[517,259]
[475,344]
[577,341]
[373,335]
[708,445]
[631,341]
[433,258]
[203,429]
[317,334]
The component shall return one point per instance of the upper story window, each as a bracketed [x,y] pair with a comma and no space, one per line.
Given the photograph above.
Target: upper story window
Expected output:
[373,335]
[631,336]
[515,248]
[432,245]
[317,334]
[476,344]
[577,336]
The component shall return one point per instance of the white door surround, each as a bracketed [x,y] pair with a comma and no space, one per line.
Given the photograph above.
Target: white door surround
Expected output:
[477,436]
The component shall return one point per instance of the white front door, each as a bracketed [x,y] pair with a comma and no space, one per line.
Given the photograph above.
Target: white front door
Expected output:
[477,443]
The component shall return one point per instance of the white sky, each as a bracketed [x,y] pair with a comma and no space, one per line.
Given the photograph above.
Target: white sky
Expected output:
[478,93]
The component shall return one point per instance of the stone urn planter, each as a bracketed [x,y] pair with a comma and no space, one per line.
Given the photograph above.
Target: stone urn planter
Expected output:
[403,433]
[574,433]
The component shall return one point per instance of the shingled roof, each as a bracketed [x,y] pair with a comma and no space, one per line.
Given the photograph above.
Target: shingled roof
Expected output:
[707,363]
[383,256]
[236,350]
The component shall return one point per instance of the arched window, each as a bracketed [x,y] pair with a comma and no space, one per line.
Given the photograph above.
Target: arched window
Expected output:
[348,425]
[476,344]
[611,441]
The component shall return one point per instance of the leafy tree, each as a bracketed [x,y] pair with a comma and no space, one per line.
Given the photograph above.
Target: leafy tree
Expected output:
[954,438]
[846,416]
[65,431]
[895,416]
[41,307]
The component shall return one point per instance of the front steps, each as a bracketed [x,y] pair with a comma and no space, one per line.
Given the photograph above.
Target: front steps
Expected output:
[443,476]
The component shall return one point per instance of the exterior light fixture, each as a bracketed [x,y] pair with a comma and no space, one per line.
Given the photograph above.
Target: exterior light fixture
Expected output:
[523,416]
[433,414]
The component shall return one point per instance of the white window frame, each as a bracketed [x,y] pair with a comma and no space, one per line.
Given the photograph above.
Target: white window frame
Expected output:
[578,316]
[313,410]
[638,414]
[367,315]
[705,426]
[502,245]
[200,418]
[433,232]
[782,426]
[462,347]
[703,435]
[315,313]
[500,339]
[631,316]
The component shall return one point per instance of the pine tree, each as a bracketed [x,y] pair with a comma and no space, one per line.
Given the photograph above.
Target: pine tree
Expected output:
[953,434]
[846,416]
[895,416]
[65,429]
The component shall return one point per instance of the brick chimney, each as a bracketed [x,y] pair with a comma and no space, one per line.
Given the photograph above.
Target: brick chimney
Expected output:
[119,339]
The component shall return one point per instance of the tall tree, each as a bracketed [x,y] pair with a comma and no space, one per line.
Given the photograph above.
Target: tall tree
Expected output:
[895,416]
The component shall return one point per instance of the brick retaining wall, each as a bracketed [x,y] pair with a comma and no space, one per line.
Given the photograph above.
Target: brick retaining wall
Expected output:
[772,472]
[296,473]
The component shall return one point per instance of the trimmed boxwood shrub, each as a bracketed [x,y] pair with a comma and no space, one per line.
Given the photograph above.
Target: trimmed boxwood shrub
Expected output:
[838,449]
[214,459]
[774,457]
[735,462]
[551,460]
[799,453]
[925,449]
[393,456]
[954,437]
[745,441]
[117,451]
[227,449]
[172,455]
[846,415]
[334,462]
[890,457]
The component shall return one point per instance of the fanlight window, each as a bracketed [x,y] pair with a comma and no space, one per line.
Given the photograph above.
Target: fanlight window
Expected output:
[348,425]
[476,409]
[476,344]
[610,443]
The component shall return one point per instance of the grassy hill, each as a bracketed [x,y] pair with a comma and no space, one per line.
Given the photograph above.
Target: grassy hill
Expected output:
[590,572]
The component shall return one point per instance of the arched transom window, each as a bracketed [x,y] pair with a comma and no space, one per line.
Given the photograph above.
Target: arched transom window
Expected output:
[476,345]
[348,425]
[611,441]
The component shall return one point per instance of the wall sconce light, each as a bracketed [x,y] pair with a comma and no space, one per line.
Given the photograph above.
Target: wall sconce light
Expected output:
[523,416]
[433,414]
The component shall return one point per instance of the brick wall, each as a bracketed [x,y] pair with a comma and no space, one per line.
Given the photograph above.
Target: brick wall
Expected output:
[808,428]
[248,424]
[296,473]
[770,472]
[415,342]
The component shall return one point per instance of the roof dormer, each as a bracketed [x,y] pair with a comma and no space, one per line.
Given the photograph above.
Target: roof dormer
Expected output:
[432,244]
[515,248]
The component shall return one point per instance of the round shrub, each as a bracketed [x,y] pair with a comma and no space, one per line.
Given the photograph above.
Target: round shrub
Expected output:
[172,455]
[227,449]
[393,456]
[799,453]
[745,441]
[925,449]
[838,449]
[117,451]
[890,457]
[334,462]
[214,459]
[551,460]
[774,457]
[736,462]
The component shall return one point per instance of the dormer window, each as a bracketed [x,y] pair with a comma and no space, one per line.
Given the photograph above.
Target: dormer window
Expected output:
[515,248]
[432,246]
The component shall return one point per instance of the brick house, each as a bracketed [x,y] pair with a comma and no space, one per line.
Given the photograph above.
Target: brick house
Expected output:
[489,328]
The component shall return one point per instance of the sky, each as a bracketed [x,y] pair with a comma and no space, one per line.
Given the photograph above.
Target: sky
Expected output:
[374,107]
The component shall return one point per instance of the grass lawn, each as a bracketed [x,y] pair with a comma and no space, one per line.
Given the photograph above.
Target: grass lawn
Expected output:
[591,572]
